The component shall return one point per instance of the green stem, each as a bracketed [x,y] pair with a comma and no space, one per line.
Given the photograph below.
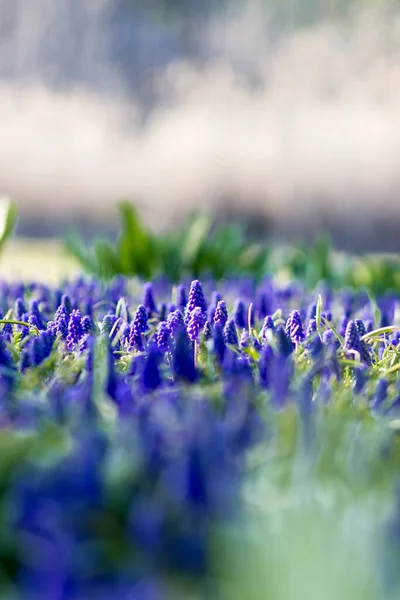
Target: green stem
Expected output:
[22,323]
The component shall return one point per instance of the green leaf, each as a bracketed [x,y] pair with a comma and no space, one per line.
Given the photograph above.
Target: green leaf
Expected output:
[8,220]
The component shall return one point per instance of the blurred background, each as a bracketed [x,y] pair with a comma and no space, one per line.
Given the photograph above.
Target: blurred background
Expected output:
[282,112]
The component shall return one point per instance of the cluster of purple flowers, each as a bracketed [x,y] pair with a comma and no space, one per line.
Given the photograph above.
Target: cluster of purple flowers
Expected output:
[143,463]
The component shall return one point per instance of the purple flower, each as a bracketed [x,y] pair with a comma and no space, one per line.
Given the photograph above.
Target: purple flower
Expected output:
[19,309]
[140,319]
[284,343]
[311,328]
[195,324]
[163,312]
[181,300]
[352,341]
[266,365]
[35,312]
[343,325]
[138,327]
[108,325]
[163,335]
[221,314]
[175,321]
[66,304]
[61,322]
[294,327]
[245,340]
[75,330]
[183,358]
[196,298]
[148,299]
[88,325]
[268,324]
[219,345]
[239,314]
[151,378]
[230,333]
[264,306]
[207,331]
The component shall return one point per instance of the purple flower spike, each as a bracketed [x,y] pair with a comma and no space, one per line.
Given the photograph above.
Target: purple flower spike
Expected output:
[352,341]
[230,333]
[35,312]
[196,298]
[207,331]
[61,322]
[19,309]
[267,325]
[312,328]
[175,321]
[181,300]
[140,319]
[163,335]
[221,314]
[239,314]
[75,329]
[138,327]
[195,324]
[295,327]
[148,299]
[87,324]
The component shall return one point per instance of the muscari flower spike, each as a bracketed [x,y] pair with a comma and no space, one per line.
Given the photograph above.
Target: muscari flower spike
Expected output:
[148,299]
[195,324]
[175,321]
[294,327]
[207,331]
[196,298]
[163,337]
[221,314]
[239,314]
[268,324]
[230,333]
[75,330]
[181,300]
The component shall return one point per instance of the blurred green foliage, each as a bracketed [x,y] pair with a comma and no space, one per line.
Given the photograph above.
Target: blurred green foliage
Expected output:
[198,248]
[8,220]
[201,248]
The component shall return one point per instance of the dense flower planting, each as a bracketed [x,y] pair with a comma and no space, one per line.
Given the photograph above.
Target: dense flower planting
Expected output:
[130,418]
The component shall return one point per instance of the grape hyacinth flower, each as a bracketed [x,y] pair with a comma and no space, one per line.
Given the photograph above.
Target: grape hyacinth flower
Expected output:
[221,314]
[183,358]
[148,300]
[175,321]
[163,335]
[219,345]
[35,312]
[66,304]
[181,300]
[163,312]
[268,324]
[19,309]
[138,327]
[196,299]
[230,333]
[284,342]
[108,325]
[195,324]
[311,328]
[294,327]
[61,322]
[239,314]
[245,340]
[75,330]
[207,331]
[88,324]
